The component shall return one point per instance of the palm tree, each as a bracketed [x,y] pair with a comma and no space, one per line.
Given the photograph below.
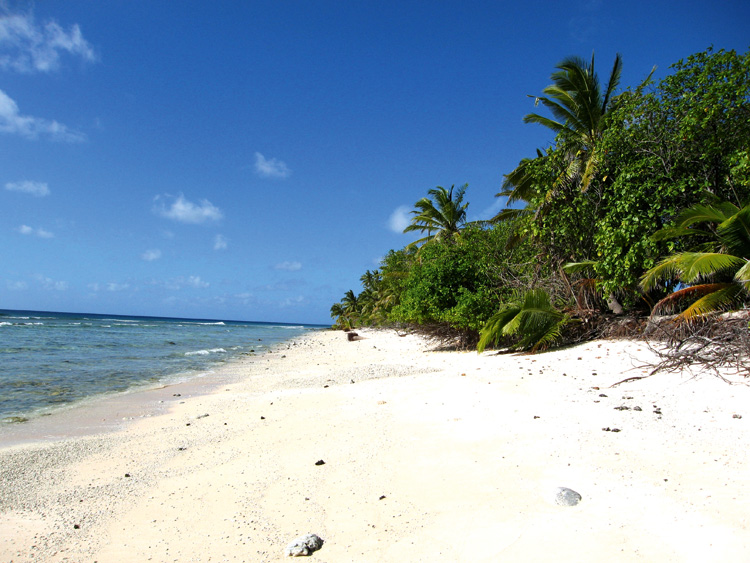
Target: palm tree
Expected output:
[351,305]
[717,272]
[579,105]
[529,316]
[443,218]
[339,316]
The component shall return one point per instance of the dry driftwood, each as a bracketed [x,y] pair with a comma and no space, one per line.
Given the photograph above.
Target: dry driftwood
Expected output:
[719,344]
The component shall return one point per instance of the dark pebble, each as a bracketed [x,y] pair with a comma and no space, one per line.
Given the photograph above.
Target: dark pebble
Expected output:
[320,462]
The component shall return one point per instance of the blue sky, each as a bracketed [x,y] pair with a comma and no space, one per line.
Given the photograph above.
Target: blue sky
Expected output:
[250,160]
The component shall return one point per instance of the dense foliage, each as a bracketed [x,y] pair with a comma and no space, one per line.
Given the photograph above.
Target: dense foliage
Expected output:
[579,229]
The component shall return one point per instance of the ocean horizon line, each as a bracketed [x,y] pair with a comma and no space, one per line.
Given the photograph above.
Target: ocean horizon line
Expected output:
[99,316]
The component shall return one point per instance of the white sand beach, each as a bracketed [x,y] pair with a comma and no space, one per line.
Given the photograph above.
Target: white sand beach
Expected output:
[427,456]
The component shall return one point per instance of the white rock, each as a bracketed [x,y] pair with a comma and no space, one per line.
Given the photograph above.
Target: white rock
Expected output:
[304,545]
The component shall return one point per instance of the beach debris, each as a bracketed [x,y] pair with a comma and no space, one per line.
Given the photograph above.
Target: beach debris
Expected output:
[736,416]
[320,462]
[352,336]
[622,408]
[602,395]
[304,545]
[15,419]
[639,409]
[381,497]
[608,429]
[567,497]
[201,416]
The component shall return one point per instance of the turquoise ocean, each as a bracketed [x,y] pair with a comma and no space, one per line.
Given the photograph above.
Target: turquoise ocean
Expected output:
[50,361]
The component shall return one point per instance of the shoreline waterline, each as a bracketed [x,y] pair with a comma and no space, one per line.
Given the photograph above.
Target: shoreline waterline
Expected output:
[50,362]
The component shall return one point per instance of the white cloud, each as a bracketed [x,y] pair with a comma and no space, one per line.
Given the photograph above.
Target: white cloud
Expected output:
[16,285]
[27,47]
[12,121]
[111,286]
[39,232]
[270,168]
[197,282]
[151,255]
[38,189]
[288,266]
[178,283]
[117,286]
[186,211]
[400,219]
[292,301]
[50,284]
[220,242]
[497,206]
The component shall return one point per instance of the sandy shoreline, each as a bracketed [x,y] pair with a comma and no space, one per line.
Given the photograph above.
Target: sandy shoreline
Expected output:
[428,456]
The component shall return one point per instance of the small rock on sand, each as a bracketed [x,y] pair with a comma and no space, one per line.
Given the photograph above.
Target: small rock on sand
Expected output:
[567,497]
[304,545]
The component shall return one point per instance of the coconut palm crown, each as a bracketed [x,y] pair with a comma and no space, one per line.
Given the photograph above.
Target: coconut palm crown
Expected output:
[716,274]
[442,218]
[578,104]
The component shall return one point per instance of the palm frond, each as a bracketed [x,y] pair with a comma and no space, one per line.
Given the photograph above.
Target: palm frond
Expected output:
[669,233]
[579,267]
[734,232]
[742,276]
[721,299]
[690,267]
[676,300]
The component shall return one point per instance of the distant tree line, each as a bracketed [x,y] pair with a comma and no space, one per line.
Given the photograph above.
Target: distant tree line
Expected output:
[640,205]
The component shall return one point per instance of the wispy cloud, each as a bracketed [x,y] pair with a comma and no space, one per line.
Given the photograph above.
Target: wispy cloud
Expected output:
[181,282]
[495,208]
[27,47]
[288,266]
[151,255]
[38,189]
[16,285]
[292,301]
[220,242]
[38,232]
[185,211]
[270,167]
[196,282]
[50,284]
[12,121]
[399,219]
[111,286]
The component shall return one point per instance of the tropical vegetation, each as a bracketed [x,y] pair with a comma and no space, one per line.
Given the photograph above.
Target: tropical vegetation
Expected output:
[640,205]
